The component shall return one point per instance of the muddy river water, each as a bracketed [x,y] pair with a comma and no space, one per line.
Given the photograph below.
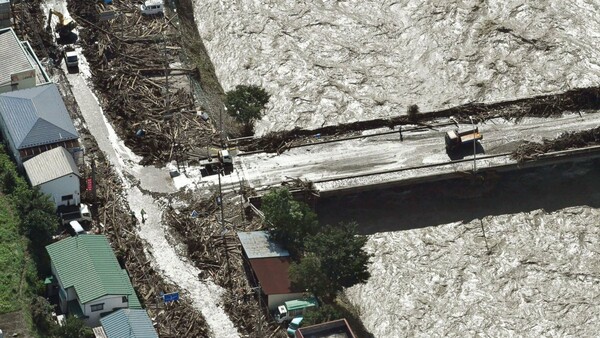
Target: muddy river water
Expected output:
[434,274]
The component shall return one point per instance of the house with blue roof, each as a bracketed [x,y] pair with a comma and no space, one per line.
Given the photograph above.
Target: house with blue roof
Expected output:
[91,284]
[126,323]
[34,120]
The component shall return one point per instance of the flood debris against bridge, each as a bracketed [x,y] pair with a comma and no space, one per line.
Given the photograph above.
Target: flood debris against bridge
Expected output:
[574,140]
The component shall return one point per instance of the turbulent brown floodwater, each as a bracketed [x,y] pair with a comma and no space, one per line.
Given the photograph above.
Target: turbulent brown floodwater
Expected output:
[328,61]
[432,275]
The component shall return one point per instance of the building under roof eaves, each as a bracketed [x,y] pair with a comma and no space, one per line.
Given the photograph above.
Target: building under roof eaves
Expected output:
[56,174]
[257,244]
[336,328]
[50,165]
[19,66]
[270,265]
[35,120]
[126,323]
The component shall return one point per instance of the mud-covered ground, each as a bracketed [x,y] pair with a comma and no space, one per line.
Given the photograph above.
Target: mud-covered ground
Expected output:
[432,273]
[329,62]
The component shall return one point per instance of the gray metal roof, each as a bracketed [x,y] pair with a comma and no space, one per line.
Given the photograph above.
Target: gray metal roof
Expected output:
[256,244]
[36,116]
[50,165]
[128,323]
[13,56]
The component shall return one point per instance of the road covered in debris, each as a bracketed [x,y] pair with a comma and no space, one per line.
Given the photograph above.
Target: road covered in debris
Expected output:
[205,295]
[139,183]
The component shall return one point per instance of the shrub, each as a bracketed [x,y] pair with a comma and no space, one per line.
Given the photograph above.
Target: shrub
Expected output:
[413,112]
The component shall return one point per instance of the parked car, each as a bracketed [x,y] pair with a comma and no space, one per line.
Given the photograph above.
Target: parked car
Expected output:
[152,7]
[294,325]
[71,59]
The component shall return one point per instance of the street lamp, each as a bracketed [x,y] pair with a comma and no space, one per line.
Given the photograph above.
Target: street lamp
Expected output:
[474,146]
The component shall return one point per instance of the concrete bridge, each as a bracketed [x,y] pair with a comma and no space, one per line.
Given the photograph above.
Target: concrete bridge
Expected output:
[380,158]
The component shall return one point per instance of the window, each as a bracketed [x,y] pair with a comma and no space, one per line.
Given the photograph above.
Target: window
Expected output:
[124,299]
[67,197]
[97,307]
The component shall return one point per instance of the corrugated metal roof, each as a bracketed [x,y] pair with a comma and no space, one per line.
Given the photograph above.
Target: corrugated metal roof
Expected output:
[87,263]
[128,323]
[296,304]
[36,116]
[14,59]
[273,275]
[256,244]
[50,165]
[336,328]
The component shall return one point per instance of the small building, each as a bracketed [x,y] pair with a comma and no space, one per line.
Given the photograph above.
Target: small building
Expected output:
[91,284]
[56,174]
[273,276]
[269,264]
[35,120]
[333,329]
[5,14]
[126,323]
[20,67]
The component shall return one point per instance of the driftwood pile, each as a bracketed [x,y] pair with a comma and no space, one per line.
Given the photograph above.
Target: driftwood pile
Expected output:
[147,98]
[218,255]
[177,319]
[572,140]
[540,106]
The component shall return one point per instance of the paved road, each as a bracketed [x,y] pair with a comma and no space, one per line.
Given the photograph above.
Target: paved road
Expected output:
[340,160]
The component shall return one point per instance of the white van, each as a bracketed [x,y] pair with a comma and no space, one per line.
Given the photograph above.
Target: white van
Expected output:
[152,7]
[77,228]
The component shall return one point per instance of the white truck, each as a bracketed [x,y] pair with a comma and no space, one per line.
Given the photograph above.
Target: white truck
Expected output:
[225,157]
[455,139]
[294,308]
[71,59]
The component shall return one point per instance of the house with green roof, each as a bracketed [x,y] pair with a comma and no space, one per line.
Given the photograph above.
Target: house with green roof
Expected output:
[91,283]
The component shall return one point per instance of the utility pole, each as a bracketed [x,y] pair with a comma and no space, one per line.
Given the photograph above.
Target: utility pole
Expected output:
[223,231]
[94,180]
[166,74]
[221,125]
[484,237]
[260,310]
[474,147]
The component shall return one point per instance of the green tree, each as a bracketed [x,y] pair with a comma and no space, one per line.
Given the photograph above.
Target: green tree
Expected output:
[322,314]
[40,226]
[338,255]
[413,112]
[291,221]
[246,103]
[41,314]
[73,328]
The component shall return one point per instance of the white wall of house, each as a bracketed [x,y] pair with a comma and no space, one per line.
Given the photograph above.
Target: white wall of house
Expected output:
[278,299]
[70,292]
[61,188]
[109,304]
